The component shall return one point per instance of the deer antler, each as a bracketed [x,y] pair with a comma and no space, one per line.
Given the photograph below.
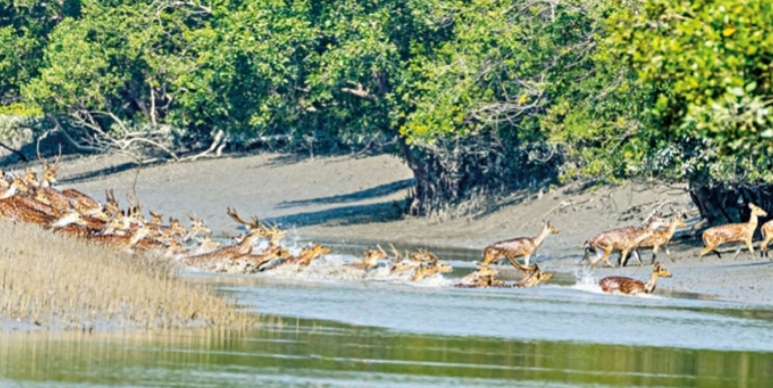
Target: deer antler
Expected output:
[398,255]
[255,224]
[58,159]
[40,157]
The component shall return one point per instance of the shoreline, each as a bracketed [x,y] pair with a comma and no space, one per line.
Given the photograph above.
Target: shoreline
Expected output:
[346,199]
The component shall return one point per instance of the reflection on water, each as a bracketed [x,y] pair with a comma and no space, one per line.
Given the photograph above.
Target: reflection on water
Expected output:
[319,353]
[341,330]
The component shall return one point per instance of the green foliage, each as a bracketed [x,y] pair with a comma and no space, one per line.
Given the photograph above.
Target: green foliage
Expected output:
[708,65]
[482,94]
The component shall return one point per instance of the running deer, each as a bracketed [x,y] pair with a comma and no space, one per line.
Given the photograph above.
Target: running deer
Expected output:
[734,233]
[483,277]
[121,243]
[429,265]
[767,235]
[272,253]
[205,245]
[255,231]
[622,240]
[630,286]
[156,219]
[197,226]
[302,260]
[517,247]
[532,279]
[370,259]
[660,238]
[398,264]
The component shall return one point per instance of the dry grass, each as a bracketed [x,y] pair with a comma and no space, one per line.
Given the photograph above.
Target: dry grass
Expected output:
[60,282]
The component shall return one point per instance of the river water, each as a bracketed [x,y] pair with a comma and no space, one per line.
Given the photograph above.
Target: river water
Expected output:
[334,328]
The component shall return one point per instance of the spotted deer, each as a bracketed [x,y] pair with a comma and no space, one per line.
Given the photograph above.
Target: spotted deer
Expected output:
[630,286]
[732,233]
[517,247]
[197,226]
[398,264]
[767,237]
[120,243]
[302,260]
[49,170]
[429,265]
[483,277]
[660,238]
[622,240]
[205,245]
[255,232]
[532,279]
[272,253]
[370,259]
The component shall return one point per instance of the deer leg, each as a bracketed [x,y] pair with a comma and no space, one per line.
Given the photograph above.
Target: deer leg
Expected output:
[764,245]
[737,251]
[596,257]
[607,252]
[585,256]
[526,259]
[623,258]
[638,256]
[709,248]
[751,247]
[655,253]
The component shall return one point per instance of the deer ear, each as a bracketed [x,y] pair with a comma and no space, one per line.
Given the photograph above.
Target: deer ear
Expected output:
[751,206]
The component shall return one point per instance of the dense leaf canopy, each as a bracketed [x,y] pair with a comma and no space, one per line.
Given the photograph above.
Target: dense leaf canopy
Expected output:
[477,95]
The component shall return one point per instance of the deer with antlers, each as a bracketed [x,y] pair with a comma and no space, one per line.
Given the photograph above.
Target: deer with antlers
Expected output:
[517,247]
[398,264]
[255,231]
[733,233]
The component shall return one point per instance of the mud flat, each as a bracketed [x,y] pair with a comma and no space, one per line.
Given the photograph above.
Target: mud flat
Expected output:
[354,200]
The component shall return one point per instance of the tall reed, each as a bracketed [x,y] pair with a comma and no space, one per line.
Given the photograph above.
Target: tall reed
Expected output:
[59,282]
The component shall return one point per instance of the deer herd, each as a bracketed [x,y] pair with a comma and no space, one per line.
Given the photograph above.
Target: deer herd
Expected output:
[26,199]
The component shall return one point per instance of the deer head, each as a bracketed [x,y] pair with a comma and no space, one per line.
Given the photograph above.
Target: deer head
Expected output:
[71,217]
[156,219]
[550,228]
[49,170]
[175,228]
[757,211]
[659,271]
[31,179]
[112,207]
[485,271]
[253,227]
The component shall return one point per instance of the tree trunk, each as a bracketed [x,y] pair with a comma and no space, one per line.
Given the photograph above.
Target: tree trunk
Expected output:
[722,203]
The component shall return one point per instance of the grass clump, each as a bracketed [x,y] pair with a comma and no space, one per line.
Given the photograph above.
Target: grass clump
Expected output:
[58,282]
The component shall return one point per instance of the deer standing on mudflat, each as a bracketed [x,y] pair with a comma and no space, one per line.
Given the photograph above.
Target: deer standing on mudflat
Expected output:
[630,286]
[767,236]
[621,239]
[737,233]
[517,247]
[659,239]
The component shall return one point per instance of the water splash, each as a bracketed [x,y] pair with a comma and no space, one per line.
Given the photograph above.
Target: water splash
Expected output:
[585,280]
